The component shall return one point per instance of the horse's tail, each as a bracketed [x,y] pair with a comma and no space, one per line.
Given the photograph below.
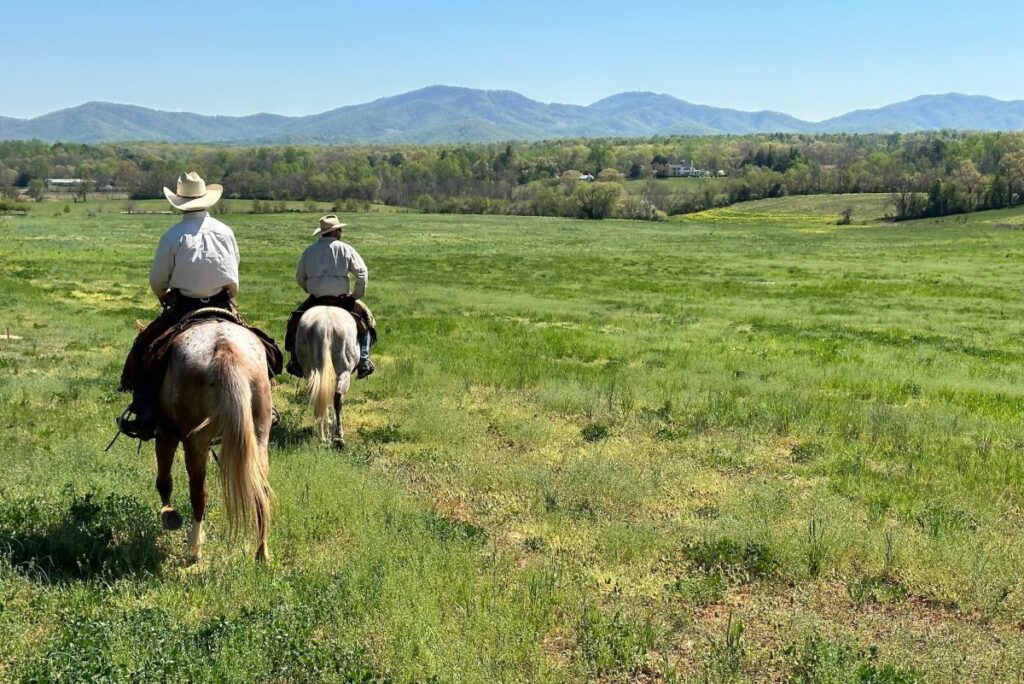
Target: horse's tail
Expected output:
[243,460]
[321,382]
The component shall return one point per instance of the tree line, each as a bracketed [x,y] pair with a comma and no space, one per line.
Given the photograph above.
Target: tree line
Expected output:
[926,174]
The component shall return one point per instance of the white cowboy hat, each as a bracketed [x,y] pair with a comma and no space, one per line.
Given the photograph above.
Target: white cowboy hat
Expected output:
[328,223]
[193,193]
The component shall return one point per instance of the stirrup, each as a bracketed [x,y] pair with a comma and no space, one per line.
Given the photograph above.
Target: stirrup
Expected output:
[131,427]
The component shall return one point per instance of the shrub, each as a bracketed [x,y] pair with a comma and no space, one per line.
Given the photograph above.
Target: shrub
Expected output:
[640,209]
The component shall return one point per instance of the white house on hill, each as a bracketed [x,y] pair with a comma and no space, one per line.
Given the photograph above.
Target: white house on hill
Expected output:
[685,169]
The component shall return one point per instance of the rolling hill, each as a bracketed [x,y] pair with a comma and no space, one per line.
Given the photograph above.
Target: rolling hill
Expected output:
[441,114]
[932,112]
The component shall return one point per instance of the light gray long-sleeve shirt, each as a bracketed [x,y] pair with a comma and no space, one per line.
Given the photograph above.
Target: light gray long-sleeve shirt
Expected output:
[324,267]
[198,257]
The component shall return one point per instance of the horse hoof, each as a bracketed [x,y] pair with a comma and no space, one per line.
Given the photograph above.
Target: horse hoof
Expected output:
[338,443]
[170,518]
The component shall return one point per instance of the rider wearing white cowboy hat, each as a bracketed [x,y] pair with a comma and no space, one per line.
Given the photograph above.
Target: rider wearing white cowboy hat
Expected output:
[195,266]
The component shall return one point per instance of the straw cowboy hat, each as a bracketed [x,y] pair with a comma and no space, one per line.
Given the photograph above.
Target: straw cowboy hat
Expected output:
[328,223]
[193,193]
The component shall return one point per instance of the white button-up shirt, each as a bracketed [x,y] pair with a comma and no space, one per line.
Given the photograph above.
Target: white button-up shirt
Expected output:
[199,257]
[324,267]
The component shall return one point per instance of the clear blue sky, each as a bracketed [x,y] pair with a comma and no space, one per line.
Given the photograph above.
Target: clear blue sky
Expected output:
[809,59]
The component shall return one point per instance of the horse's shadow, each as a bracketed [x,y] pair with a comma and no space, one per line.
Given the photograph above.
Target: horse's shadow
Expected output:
[292,434]
[93,538]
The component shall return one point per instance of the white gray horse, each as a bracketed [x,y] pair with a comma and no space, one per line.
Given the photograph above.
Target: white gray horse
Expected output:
[328,351]
[217,386]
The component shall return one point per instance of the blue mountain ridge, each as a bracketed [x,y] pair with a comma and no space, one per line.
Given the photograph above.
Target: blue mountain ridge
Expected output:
[446,114]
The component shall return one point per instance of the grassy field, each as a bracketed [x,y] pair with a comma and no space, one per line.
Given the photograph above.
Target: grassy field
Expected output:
[102,206]
[636,187]
[718,450]
[866,207]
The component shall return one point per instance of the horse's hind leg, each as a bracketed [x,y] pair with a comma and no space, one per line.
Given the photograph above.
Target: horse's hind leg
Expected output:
[262,402]
[344,380]
[196,457]
[262,552]
[165,448]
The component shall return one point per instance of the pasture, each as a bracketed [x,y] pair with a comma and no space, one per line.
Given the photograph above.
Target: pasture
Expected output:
[671,185]
[719,450]
[866,207]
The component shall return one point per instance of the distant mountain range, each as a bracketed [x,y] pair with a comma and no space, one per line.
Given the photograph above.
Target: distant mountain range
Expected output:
[444,114]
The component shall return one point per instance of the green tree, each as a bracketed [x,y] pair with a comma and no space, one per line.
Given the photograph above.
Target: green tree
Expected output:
[569,180]
[969,182]
[596,200]
[1011,167]
[610,175]
[35,189]
[996,193]
[426,204]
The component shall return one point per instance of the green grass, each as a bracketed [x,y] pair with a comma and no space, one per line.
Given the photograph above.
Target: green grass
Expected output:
[98,205]
[716,450]
[636,187]
[812,209]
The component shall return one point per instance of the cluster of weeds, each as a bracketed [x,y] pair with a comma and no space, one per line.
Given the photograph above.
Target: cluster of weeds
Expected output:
[550,498]
[876,589]
[275,643]
[666,427]
[936,519]
[615,644]
[818,661]
[447,529]
[700,590]
[80,538]
[725,655]
[736,560]
[535,544]
[384,434]
[806,452]
[595,432]
[707,512]
[433,525]
[576,504]
[817,548]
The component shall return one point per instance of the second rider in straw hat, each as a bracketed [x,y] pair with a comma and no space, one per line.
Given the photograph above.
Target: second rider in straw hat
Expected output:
[195,267]
[323,273]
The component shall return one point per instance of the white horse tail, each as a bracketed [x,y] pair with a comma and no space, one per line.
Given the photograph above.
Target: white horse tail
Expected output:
[243,462]
[321,383]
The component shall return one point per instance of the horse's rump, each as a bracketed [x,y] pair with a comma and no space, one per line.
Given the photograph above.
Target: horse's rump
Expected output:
[327,349]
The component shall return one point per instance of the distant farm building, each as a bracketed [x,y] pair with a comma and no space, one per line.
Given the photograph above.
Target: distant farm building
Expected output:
[63,182]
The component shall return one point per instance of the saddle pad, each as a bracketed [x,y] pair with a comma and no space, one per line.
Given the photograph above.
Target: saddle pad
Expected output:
[158,350]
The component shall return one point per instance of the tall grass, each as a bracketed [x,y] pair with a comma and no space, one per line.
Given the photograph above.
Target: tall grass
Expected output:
[587,444]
